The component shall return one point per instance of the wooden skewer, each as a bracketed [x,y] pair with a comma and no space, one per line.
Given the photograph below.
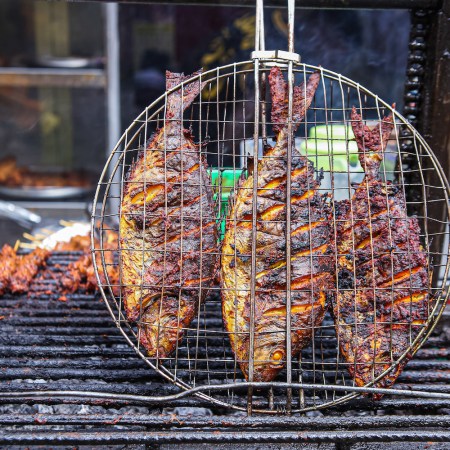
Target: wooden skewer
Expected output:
[40,236]
[30,237]
[26,245]
[66,223]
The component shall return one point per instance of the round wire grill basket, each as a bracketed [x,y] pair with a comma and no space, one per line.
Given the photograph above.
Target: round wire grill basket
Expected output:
[230,122]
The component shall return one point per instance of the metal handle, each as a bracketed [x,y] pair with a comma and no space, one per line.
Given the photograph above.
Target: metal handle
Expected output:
[260,48]
[20,215]
[260,44]
[291,17]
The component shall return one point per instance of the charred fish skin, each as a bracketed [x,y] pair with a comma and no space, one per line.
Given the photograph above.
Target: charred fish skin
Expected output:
[383,299]
[168,230]
[311,255]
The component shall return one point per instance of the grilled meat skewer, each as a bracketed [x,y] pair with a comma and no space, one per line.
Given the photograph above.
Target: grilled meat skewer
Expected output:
[310,251]
[80,274]
[9,259]
[27,267]
[168,230]
[383,271]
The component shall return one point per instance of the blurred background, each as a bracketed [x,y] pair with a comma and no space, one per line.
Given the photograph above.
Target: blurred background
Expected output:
[74,75]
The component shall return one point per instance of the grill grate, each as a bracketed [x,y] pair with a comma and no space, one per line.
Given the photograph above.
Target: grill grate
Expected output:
[86,352]
[226,115]
[385,279]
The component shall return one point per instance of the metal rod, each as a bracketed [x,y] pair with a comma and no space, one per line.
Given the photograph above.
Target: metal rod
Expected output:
[218,388]
[288,235]
[34,77]
[254,234]
[165,421]
[335,4]
[151,437]
[290,141]
[113,87]
[212,363]
[291,17]
[259,24]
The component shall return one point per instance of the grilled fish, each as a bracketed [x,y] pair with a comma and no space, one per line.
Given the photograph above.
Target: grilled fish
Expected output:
[168,230]
[383,271]
[310,250]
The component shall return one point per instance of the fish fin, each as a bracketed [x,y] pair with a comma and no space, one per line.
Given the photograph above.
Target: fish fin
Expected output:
[302,98]
[371,142]
[181,99]
[278,91]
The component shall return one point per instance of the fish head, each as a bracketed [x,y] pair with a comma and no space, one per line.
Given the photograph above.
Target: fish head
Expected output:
[269,356]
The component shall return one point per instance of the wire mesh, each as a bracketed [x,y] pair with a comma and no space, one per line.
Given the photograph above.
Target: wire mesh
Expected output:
[230,123]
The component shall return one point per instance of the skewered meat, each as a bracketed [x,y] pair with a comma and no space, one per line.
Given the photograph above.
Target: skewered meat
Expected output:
[26,269]
[383,272]
[80,274]
[17,272]
[310,251]
[8,259]
[76,243]
[168,230]
[76,276]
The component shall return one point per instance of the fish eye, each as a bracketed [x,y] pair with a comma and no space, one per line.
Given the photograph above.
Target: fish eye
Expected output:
[277,355]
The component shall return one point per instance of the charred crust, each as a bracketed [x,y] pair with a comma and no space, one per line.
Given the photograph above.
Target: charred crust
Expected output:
[346,279]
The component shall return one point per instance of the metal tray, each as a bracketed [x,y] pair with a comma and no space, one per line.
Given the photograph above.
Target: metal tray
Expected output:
[43,193]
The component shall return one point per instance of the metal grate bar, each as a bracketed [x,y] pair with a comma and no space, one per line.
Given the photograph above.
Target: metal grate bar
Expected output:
[219,437]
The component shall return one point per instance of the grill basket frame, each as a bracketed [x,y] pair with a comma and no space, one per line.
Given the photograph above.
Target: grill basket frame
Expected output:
[107,198]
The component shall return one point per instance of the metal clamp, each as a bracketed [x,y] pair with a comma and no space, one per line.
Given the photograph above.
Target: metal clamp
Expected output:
[276,54]
[18,214]
[260,49]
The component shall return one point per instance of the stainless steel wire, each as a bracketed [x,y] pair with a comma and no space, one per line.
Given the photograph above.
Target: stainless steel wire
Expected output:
[227,119]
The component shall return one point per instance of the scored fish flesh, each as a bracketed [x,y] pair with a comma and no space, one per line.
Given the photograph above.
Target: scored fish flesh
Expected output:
[383,273]
[168,236]
[312,263]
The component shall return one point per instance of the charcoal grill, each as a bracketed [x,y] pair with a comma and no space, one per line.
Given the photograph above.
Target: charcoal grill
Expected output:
[230,111]
[49,346]
[74,347]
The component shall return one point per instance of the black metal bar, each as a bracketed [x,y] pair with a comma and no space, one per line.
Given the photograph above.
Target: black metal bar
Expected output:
[175,437]
[67,373]
[88,350]
[419,406]
[435,372]
[98,351]
[435,111]
[334,4]
[417,58]
[155,388]
[298,423]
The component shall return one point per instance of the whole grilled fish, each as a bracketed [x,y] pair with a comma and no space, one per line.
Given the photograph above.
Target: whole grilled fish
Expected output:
[167,230]
[310,252]
[383,272]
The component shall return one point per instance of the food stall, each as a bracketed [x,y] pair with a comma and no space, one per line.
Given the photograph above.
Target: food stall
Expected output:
[70,374]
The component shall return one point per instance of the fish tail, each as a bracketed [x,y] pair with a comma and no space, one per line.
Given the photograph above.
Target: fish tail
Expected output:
[371,142]
[303,96]
[181,99]
[302,99]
